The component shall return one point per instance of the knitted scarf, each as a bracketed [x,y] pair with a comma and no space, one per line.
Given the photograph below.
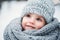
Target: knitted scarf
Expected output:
[14,31]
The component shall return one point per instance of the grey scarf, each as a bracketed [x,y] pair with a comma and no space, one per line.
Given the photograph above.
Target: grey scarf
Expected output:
[49,32]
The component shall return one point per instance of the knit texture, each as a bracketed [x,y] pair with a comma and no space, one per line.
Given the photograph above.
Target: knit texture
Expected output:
[14,31]
[44,8]
[51,31]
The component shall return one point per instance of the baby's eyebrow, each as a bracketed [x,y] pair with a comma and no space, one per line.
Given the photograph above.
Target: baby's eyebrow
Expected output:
[39,17]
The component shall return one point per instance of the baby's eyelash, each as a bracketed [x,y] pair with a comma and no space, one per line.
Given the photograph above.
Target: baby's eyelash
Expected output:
[28,15]
[38,19]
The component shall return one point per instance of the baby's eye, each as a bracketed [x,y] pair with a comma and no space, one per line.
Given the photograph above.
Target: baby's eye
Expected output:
[38,19]
[27,15]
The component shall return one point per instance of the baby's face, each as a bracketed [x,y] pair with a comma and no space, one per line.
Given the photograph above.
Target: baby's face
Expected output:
[32,21]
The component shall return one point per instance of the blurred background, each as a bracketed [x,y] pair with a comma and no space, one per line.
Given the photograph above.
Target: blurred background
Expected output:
[10,9]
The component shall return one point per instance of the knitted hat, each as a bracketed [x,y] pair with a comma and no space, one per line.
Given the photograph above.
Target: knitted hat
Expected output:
[44,8]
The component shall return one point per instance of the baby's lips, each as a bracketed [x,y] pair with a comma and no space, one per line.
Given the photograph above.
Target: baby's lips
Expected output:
[30,26]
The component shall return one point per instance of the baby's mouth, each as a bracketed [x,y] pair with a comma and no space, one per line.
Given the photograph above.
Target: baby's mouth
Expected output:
[30,26]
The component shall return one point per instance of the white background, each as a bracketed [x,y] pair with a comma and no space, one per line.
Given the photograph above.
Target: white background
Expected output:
[13,10]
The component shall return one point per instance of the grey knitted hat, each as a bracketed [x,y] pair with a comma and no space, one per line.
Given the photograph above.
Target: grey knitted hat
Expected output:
[44,8]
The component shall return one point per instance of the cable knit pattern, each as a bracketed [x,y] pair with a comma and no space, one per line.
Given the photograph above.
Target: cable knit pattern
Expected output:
[14,31]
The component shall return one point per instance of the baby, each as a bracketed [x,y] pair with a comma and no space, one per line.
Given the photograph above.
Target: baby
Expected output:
[37,14]
[36,23]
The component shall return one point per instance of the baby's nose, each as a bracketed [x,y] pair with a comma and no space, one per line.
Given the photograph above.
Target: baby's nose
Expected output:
[32,21]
